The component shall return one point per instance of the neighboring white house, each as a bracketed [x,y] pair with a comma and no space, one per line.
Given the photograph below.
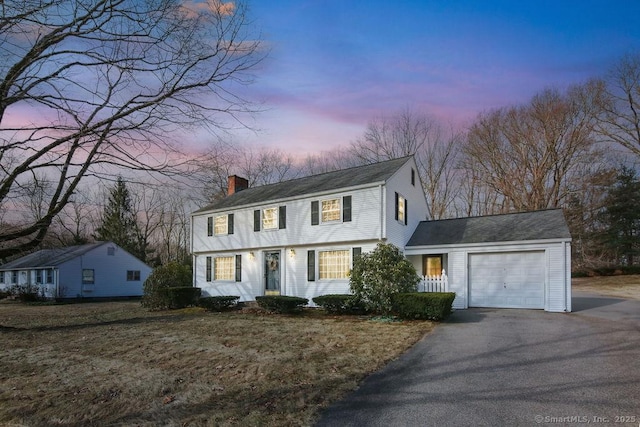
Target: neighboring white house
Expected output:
[95,270]
[299,238]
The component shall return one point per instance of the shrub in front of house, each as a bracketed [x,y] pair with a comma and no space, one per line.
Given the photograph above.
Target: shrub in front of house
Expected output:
[219,303]
[25,293]
[172,275]
[423,305]
[378,275]
[281,303]
[339,304]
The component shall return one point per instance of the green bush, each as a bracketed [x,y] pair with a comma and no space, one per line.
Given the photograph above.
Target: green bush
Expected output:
[423,305]
[339,304]
[379,275]
[172,275]
[219,303]
[179,297]
[282,303]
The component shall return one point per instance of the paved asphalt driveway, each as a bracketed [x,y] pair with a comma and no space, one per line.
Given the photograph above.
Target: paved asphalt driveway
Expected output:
[498,367]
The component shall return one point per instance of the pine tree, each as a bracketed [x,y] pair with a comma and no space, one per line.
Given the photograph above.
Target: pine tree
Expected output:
[621,216]
[119,224]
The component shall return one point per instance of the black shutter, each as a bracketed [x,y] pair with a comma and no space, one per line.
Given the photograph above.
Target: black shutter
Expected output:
[282,217]
[238,268]
[210,226]
[230,224]
[315,213]
[397,205]
[346,209]
[208,269]
[256,220]
[406,211]
[311,266]
[356,252]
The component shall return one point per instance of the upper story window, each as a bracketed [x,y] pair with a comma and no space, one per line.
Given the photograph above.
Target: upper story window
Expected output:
[220,225]
[331,210]
[111,251]
[270,218]
[401,209]
[274,218]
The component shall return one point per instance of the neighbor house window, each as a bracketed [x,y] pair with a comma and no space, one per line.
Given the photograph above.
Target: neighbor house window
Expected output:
[330,210]
[88,276]
[1,276]
[38,276]
[111,251]
[432,265]
[334,264]
[224,268]
[133,275]
[49,275]
[401,209]
[270,218]
[14,277]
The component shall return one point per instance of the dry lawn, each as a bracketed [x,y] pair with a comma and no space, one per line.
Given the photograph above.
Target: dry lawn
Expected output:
[614,286]
[117,364]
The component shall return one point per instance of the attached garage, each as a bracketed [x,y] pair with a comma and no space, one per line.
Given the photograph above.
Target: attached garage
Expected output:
[507,279]
[520,260]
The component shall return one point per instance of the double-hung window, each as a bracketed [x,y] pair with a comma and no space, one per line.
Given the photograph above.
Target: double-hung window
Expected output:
[273,218]
[334,264]
[224,268]
[88,276]
[331,210]
[401,209]
[39,276]
[270,218]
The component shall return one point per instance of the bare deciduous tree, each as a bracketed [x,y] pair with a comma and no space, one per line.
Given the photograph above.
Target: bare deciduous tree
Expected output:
[535,156]
[409,133]
[621,119]
[87,86]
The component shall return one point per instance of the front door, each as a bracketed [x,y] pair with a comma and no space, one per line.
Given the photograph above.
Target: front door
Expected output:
[272,273]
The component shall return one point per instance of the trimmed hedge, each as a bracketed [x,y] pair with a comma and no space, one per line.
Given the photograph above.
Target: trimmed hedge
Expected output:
[423,305]
[178,297]
[219,303]
[339,304]
[281,303]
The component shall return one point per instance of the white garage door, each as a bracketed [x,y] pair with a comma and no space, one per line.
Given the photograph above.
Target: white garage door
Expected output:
[507,280]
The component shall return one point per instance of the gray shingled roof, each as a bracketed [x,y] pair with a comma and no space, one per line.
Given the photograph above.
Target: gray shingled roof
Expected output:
[361,175]
[538,225]
[50,257]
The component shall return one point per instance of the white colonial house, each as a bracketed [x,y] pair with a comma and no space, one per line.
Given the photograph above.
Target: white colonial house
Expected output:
[94,270]
[299,238]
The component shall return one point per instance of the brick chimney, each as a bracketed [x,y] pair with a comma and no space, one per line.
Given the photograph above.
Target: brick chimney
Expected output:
[237,183]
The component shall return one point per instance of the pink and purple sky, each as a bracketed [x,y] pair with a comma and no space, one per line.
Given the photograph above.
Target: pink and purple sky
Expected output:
[335,65]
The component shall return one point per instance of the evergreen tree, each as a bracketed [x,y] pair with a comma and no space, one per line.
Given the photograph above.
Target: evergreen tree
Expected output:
[119,224]
[621,217]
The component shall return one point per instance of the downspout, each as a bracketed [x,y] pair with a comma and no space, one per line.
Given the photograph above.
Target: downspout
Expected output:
[564,274]
[383,206]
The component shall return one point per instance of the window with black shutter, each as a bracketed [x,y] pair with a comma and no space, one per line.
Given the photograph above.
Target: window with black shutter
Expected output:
[282,217]
[346,209]
[311,266]
[315,212]
[238,268]
[256,220]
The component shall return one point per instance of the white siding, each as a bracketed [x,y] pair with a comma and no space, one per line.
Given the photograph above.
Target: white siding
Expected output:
[458,278]
[293,269]
[397,232]
[365,224]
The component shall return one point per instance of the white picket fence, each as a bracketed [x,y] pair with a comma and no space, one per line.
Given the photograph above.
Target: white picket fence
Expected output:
[434,283]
